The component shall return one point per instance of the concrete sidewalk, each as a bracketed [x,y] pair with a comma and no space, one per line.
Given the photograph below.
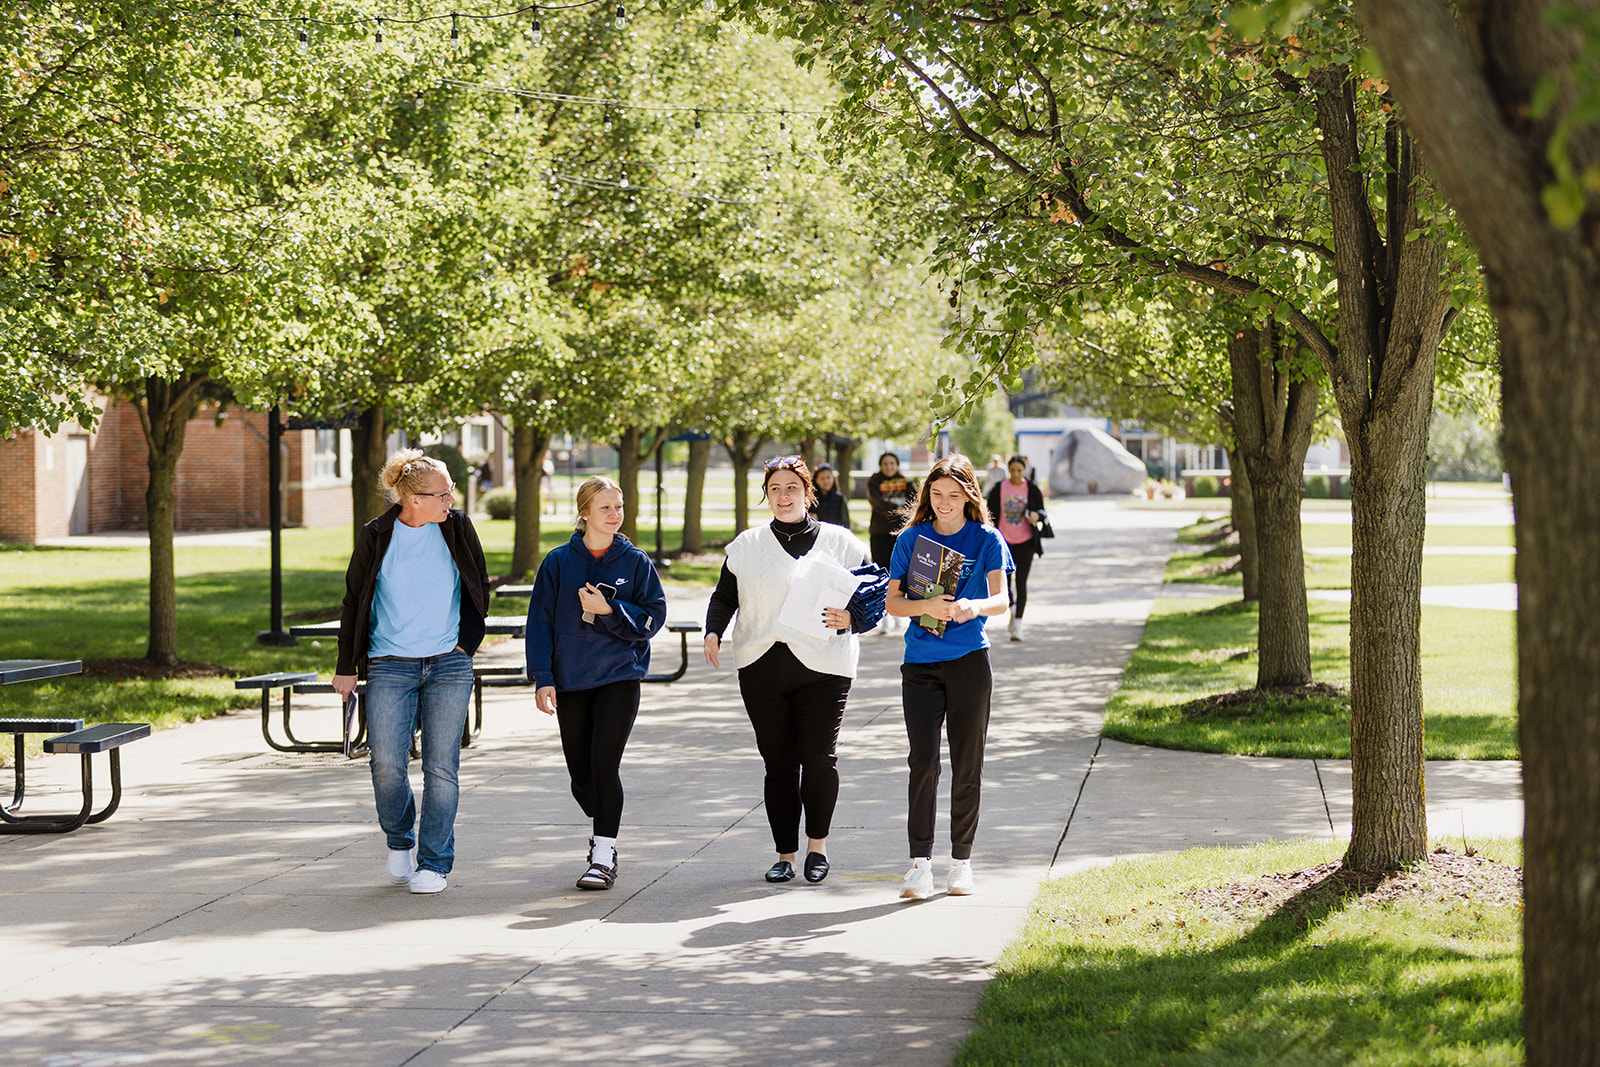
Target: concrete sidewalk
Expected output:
[234,910]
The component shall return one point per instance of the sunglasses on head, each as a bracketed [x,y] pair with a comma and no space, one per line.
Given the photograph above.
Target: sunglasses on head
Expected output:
[784,461]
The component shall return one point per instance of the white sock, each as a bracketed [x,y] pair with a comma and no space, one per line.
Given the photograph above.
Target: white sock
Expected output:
[605,851]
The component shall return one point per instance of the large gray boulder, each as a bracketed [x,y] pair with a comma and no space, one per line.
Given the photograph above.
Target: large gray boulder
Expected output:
[1091,461]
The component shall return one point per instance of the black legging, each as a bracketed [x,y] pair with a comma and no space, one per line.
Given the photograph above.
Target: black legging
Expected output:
[1017,582]
[796,713]
[595,724]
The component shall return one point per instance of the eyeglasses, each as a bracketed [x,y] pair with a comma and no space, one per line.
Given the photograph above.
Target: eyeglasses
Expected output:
[785,461]
[448,496]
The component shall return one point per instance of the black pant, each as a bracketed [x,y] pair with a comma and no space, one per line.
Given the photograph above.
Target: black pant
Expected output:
[953,695]
[882,545]
[595,724]
[796,712]
[1017,583]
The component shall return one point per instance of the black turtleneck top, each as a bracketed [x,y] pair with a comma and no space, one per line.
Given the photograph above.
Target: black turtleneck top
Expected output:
[797,538]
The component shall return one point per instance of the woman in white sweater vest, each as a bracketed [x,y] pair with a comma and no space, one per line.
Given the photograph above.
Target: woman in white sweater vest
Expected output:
[794,680]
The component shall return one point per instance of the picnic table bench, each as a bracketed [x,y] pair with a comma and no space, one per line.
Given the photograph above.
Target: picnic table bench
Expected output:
[73,738]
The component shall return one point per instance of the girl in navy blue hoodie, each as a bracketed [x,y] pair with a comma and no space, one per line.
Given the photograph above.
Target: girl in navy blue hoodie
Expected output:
[596,603]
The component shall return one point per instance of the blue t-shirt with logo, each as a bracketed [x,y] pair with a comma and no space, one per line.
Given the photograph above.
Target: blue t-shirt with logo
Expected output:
[984,551]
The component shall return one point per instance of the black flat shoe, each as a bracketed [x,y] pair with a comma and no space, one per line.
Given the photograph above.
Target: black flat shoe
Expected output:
[816,866]
[782,871]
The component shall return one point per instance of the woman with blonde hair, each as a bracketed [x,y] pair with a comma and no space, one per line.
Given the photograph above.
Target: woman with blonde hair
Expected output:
[945,681]
[416,594]
[596,603]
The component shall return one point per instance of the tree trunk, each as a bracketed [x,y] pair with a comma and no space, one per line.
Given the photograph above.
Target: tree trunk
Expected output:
[844,458]
[806,447]
[368,453]
[628,463]
[632,454]
[1242,498]
[1467,90]
[528,447]
[742,446]
[164,413]
[1393,313]
[1273,413]
[694,494]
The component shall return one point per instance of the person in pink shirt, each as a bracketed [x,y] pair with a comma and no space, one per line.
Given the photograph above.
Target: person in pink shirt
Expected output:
[1016,505]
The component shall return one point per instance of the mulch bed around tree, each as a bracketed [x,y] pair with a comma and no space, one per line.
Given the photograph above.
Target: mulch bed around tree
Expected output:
[1444,875]
[1245,702]
[143,668]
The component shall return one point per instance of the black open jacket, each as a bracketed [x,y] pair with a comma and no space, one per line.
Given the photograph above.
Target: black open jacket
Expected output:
[361,581]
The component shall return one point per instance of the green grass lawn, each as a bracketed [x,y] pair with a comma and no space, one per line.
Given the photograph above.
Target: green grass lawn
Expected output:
[1197,648]
[1151,962]
[91,603]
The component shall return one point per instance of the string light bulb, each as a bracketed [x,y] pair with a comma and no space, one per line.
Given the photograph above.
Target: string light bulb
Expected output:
[697,122]
[622,17]
[238,34]
[606,120]
[538,28]
[377,34]
[305,38]
[455,33]
[710,6]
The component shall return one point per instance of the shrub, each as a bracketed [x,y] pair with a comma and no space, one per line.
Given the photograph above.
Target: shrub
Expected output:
[1205,485]
[499,503]
[1317,486]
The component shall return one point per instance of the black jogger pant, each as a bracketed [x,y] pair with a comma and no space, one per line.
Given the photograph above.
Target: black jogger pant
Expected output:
[953,695]
[595,724]
[1017,582]
[796,713]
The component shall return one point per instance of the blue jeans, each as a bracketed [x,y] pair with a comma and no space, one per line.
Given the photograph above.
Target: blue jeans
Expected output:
[402,694]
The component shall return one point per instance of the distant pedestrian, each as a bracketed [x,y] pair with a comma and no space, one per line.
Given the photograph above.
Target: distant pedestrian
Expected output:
[945,681]
[994,475]
[888,491]
[596,603]
[416,594]
[1017,505]
[794,684]
[830,505]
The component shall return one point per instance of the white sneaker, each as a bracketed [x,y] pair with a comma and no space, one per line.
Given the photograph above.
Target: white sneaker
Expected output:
[960,878]
[1011,625]
[402,861]
[918,884]
[426,881]
[1016,629]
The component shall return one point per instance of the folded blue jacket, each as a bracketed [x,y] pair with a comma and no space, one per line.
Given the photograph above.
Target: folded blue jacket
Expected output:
[565,651]
[867,604]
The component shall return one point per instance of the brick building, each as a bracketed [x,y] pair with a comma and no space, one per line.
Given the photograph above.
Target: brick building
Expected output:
[83,481]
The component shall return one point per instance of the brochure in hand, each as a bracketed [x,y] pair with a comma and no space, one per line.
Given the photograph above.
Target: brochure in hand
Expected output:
[818,583]
[934,571]
[352,726]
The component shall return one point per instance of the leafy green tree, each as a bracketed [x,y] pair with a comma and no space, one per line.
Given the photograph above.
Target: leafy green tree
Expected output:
[1505,95]
[1065,152]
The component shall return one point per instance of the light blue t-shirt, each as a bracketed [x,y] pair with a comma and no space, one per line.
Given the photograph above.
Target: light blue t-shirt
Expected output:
[985,551]
[416,607]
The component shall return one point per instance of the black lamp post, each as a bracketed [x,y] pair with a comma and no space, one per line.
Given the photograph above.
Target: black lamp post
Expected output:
[277,635]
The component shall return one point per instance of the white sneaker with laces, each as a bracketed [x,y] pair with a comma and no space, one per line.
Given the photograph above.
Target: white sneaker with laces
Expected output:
[960,878]
[402,862]
[1011,625]
[426,881]
[918,883]
[1016,630]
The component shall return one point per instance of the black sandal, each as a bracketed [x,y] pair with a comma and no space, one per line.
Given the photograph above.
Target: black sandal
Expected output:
[598,876]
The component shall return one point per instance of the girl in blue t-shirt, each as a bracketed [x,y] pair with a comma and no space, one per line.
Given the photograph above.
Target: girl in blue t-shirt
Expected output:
[945,681]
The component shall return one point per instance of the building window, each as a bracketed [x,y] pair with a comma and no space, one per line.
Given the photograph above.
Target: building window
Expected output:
[477,439]
[325,458]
